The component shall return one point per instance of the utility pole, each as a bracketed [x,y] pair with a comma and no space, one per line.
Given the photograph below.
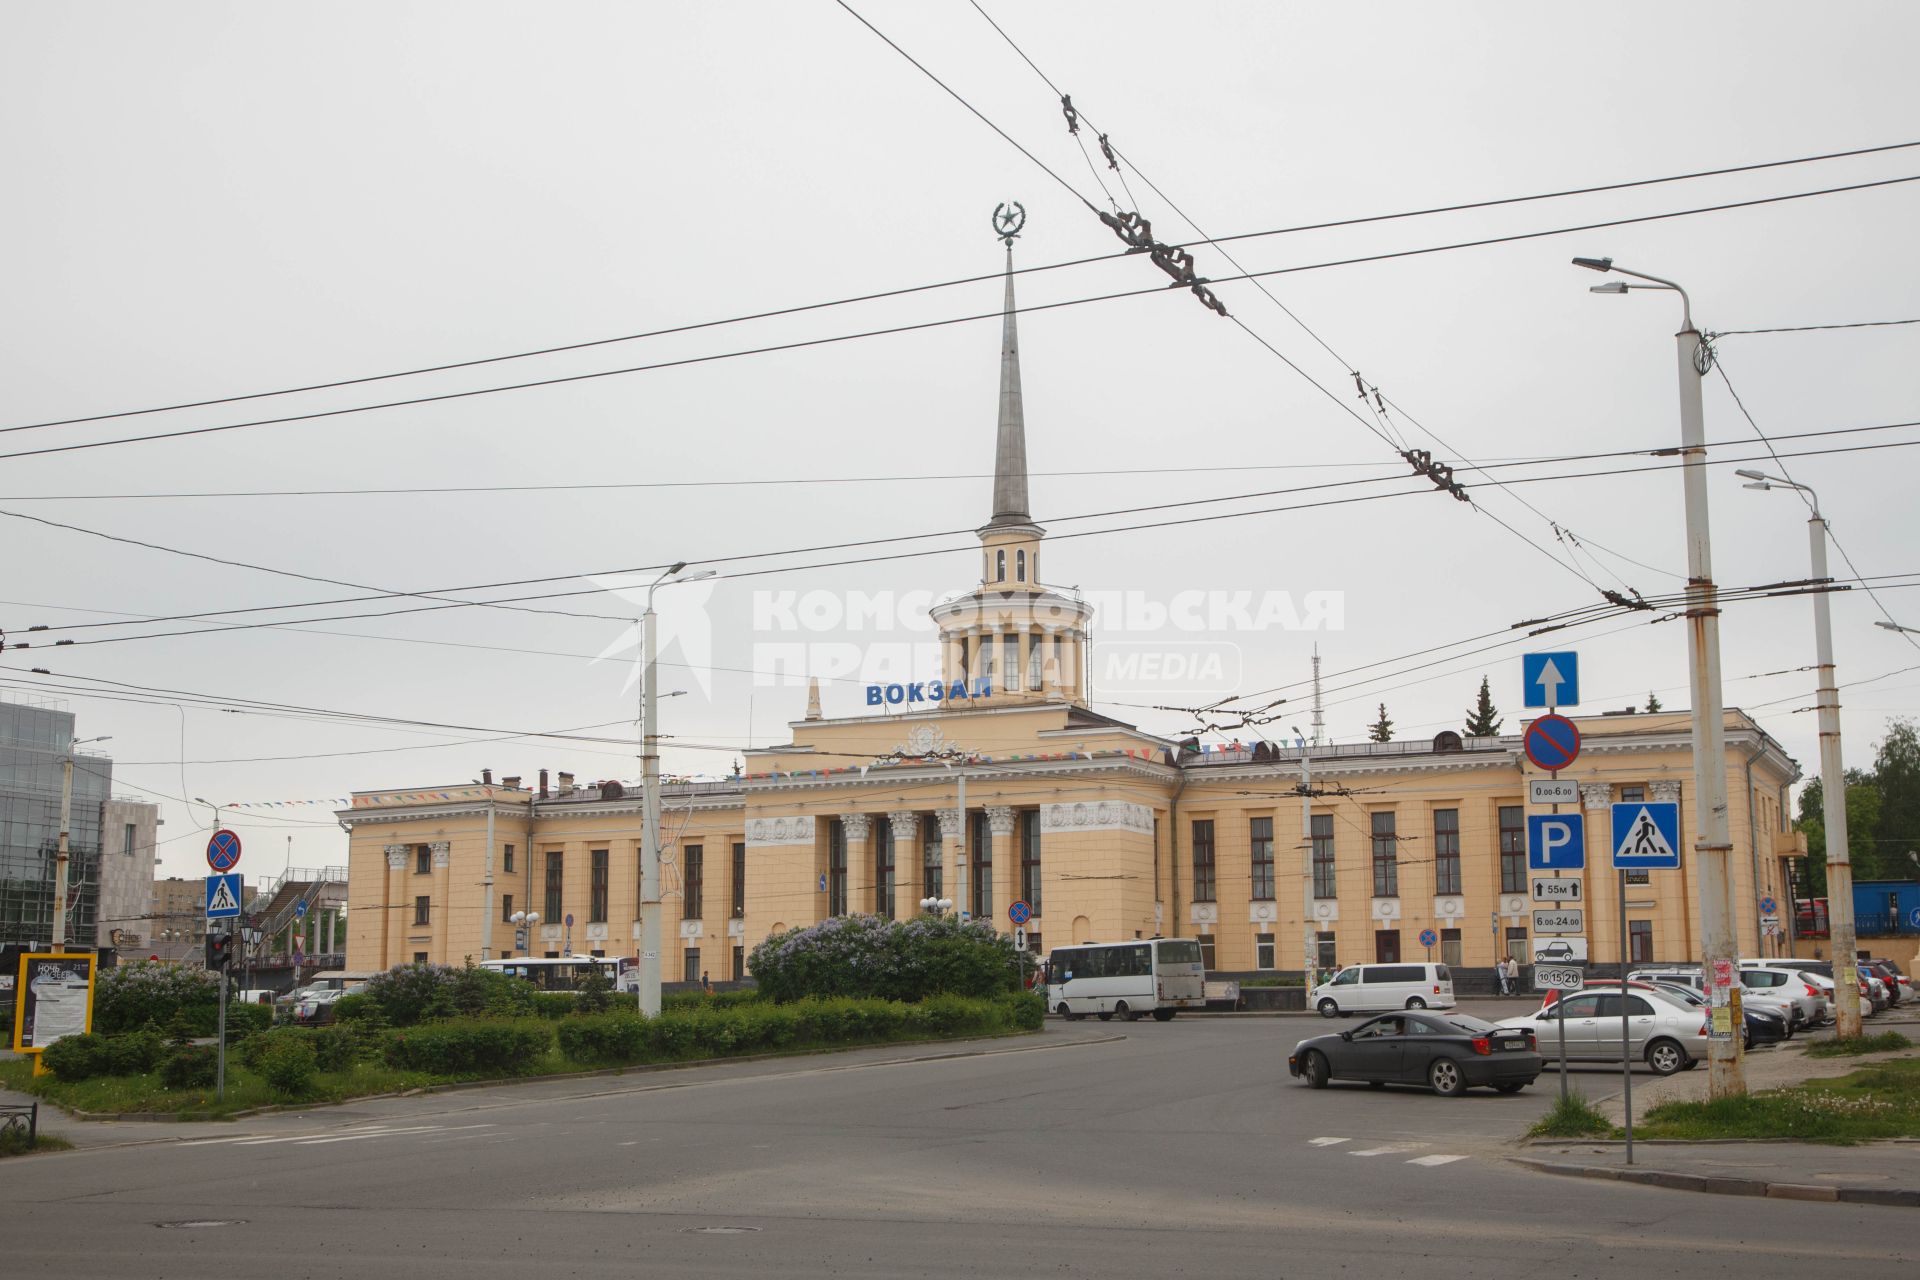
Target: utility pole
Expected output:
[60,853]
[1713,841]
[1833,775]
[1309,935]
[486,886]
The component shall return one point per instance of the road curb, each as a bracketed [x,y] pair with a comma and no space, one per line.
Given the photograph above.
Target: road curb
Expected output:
[1715,1184]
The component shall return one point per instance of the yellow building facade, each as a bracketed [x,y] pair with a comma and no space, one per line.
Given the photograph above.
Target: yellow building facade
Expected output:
[999,782]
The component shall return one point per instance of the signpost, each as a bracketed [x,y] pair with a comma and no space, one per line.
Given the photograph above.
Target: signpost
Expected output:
[1563,950]
[1560,978]
[1552,791]
[1427,938]
[1646,836]
[1559,920]
[223,896]
[1545,890]
[1020,938]
[1552,742]
[1019,912]
[1550,679]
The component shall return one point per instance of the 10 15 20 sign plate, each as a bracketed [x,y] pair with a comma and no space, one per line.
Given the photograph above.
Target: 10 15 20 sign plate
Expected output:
[1559,920]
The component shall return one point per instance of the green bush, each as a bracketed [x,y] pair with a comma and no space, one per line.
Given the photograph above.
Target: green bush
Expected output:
[408,995]
[684,1000]
[128,996]
[244,1020]
[466,1048]
[594,994]
[289,1067]
[865,957]
[193,1067]
[81,1057]
[358,1007]
[603,1037]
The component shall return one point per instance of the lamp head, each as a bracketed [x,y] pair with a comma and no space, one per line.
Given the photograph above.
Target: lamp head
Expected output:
[1594,264]
[1757,484]
[1747,473]
[1616,286]
[676,568]
[695,577]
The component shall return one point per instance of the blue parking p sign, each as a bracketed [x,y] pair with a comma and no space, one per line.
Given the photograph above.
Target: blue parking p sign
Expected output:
[1556,841]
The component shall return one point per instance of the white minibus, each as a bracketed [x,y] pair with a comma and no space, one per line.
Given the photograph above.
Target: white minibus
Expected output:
[1160,976]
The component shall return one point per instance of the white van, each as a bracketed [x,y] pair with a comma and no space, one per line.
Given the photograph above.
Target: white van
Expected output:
[1365,988]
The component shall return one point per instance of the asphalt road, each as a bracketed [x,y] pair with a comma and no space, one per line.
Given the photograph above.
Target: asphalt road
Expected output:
[1092,1149]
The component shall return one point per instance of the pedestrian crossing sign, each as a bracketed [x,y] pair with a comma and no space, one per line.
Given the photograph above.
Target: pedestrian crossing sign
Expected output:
[223,896]
[1646,836]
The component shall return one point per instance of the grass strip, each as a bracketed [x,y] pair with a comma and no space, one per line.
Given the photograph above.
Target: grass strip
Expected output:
[1876,1102]
[1854,1046]
[1571,1117]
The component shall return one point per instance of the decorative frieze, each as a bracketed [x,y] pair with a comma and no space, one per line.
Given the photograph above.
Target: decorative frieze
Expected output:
[780,831]
[1097,815]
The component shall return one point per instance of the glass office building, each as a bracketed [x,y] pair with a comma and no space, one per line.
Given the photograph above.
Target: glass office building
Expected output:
[33,739]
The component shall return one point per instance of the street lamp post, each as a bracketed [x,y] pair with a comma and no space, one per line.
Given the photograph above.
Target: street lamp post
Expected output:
[60,851]
[1713,841]
[650,905]
[523,922]
[1833,776]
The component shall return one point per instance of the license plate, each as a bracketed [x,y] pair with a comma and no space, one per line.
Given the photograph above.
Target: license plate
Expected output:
[1513,1044]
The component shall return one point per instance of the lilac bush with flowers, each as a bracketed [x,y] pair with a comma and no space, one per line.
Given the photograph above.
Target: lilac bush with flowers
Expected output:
[864,956]
[127,996]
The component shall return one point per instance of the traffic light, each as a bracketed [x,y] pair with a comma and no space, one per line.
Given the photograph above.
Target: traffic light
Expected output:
[219,950]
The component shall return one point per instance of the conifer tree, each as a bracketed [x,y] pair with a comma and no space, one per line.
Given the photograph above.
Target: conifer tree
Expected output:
[1483,721]
[1381,729]
[1653,702]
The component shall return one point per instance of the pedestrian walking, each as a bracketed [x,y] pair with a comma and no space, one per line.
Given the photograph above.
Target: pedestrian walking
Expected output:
[706,983]
[1507,969]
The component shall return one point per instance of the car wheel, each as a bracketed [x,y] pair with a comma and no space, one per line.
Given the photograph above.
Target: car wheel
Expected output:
[1164,1015]
[1444,1075]
[1104,1016]
[1666,1057]
[1123,1011]
[1328,1009]
[1512,1086]
[1067,1013]
[1415,1002]
[1315,1069]
[1691,1063]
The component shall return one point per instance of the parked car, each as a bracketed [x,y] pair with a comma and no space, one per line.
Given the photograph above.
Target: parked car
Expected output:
[1873,998]
[1764,997]
[1884,971]
[1906,985]
[1809,1002]
[1763,1026]
[317,1007]
[1668,1035]
[1363,988]
[1449,1052]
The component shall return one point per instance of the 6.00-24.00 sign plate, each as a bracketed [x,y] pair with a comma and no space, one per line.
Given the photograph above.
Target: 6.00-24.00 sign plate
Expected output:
[1559,920]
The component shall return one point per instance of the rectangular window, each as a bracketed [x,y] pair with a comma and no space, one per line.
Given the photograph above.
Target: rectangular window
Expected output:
[1450,948]
[1030,858]
[1386,856]
[597,888]
[1035,947]
[1640,941]
[739,879]
[422,860]
[1206,951]
[129,834]
[419,957]
[422,909]
[932,869]
[1329,953]
[739,962]
[509,859]
[690,965]
[1263,952]
[1517,946]
[1324,881]
[1446,851]
[1203,866]
[1513,849]
[556,883]
[1261,832]
[693,881]
[883,867]
[980,850]
[1386,946]
[506,908]
[836,868]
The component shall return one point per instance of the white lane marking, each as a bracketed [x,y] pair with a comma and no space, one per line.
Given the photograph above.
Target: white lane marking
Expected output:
[1431,1161]
[355,1137]
[1327,1142]
[1380,1151]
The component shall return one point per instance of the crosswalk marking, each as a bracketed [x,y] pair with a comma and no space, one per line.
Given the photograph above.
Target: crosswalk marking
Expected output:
[1380,1151]
[321,1137]
[1431,1161]
[1392,1149]
[1328,1142]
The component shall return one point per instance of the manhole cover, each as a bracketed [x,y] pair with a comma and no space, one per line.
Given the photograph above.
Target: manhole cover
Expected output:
[190,1223]
[720,1231]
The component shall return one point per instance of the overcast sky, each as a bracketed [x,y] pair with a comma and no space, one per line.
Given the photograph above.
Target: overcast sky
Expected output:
[210,200]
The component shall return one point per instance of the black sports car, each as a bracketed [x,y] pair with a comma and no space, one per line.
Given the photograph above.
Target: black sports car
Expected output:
[1449,1052]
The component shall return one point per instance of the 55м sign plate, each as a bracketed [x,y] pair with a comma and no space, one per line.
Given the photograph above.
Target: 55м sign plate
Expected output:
[1554,890]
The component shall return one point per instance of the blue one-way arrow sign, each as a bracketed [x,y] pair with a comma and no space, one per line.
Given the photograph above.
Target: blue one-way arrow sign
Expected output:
[1550,679]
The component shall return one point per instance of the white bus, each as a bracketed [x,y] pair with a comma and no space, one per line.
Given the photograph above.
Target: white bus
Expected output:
[1160,976]
[558,973]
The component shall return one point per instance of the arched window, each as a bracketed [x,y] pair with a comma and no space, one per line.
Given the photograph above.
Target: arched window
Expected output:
[1020,565]
[1000,566]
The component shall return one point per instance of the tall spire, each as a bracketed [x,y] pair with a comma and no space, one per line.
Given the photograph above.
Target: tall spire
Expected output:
[1010,443]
